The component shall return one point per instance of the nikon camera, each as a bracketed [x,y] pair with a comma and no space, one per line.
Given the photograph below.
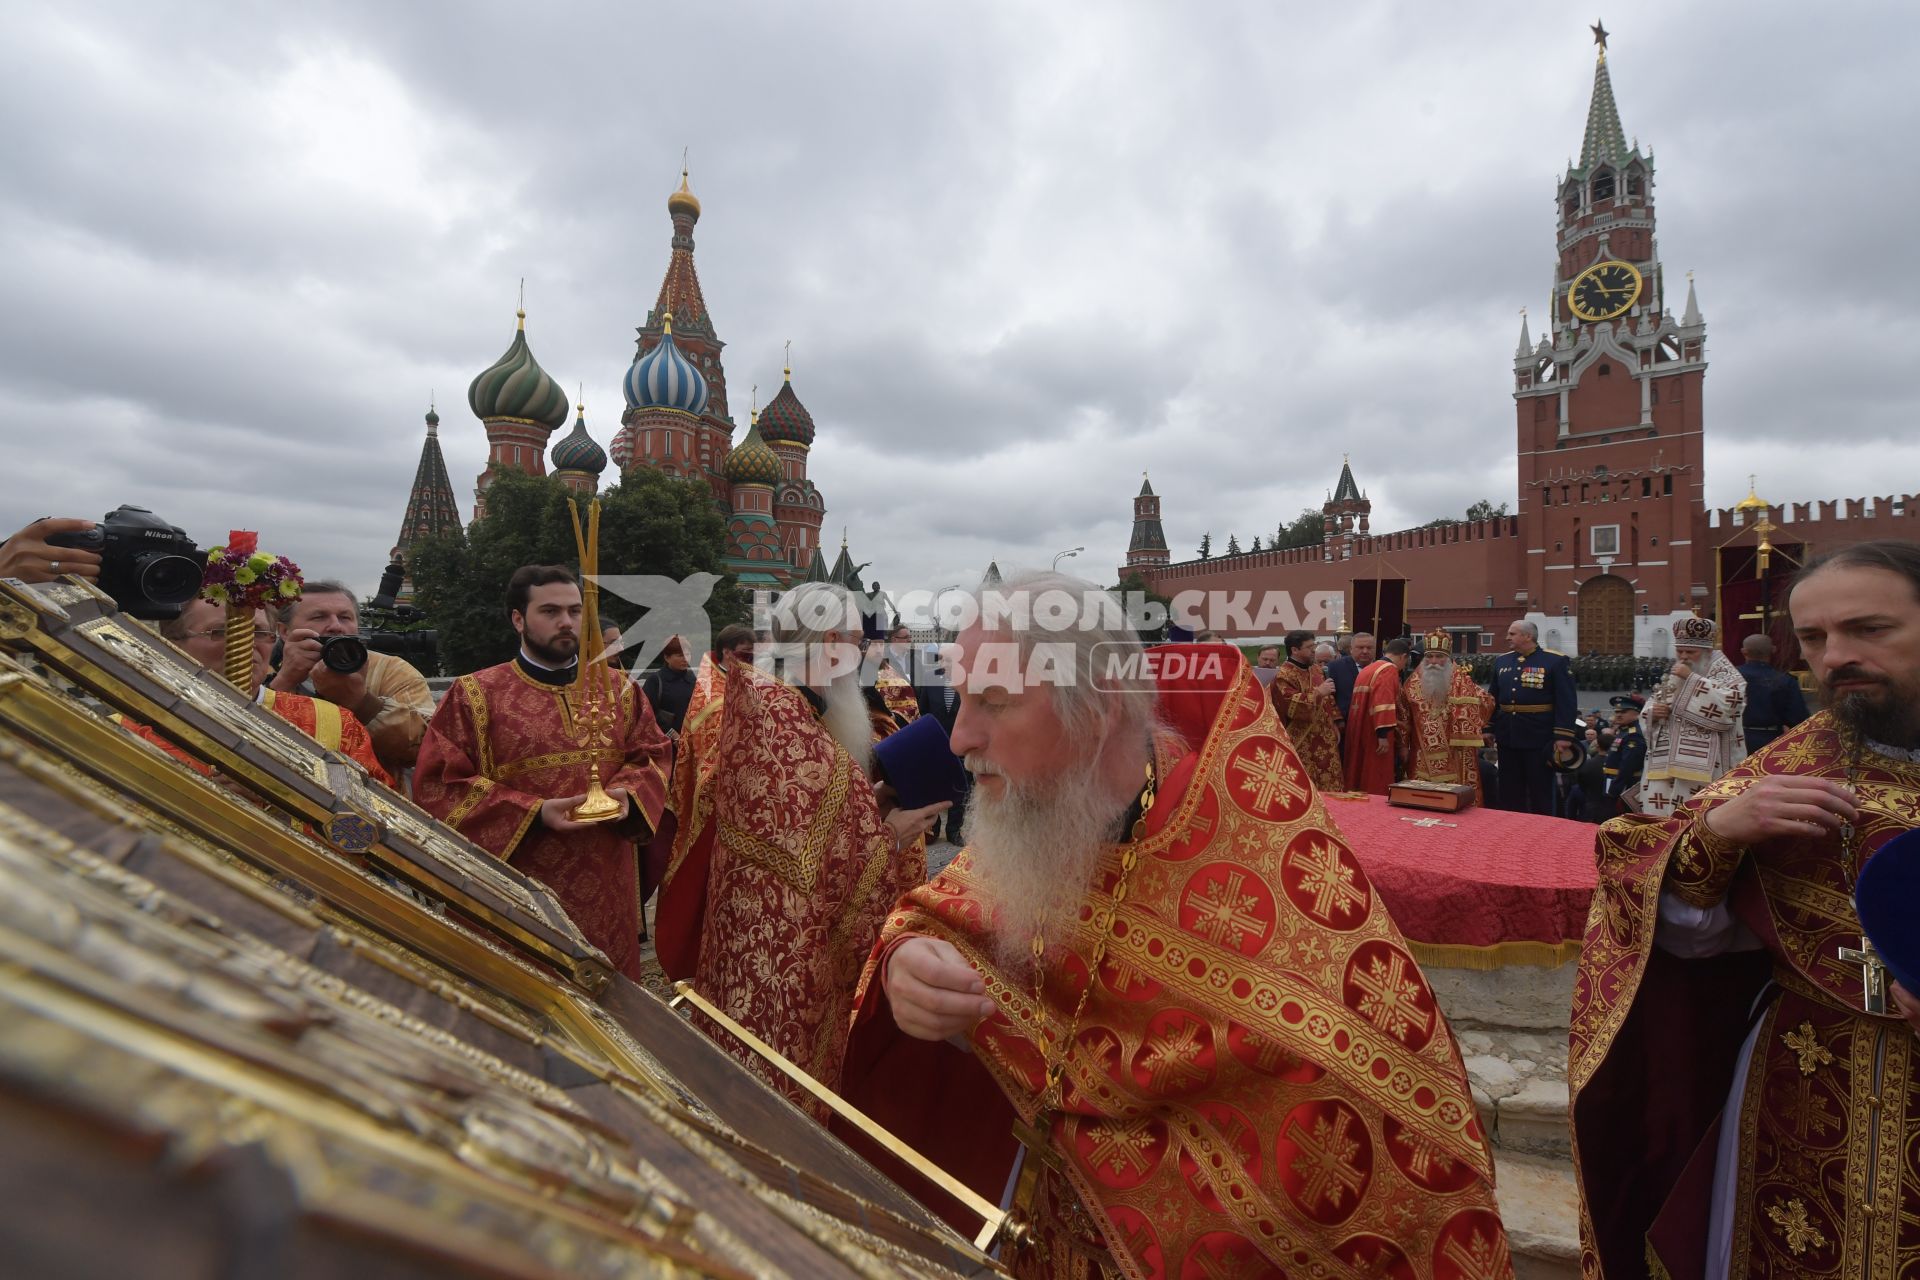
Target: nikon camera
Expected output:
[149,567]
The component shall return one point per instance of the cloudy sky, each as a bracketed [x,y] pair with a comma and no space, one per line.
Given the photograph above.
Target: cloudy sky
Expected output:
[1023,251]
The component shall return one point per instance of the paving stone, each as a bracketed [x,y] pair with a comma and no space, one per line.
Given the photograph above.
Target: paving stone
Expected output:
[1495,1075]
[1539,1204]
[1473,1042]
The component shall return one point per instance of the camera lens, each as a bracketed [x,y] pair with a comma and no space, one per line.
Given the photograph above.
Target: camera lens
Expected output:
[167,579]
[344,654]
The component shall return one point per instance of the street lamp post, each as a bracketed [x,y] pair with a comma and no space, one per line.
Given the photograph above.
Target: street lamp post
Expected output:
[938,628]
[1067,555]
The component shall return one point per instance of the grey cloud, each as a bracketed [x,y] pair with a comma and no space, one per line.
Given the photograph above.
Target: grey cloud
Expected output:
[1021,256]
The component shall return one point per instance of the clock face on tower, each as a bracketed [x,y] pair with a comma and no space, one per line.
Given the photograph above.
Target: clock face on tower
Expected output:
[1603,290]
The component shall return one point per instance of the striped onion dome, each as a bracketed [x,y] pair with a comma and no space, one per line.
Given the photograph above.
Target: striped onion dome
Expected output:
[785,420]
[751,462]
[664,379]
[515,386]
[577,450]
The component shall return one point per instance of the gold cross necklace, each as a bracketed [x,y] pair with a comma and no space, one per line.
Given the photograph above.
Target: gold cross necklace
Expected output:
[1057,1064]
[1873,973]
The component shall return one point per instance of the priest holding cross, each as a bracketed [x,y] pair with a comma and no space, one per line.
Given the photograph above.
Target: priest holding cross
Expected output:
[1745,1070]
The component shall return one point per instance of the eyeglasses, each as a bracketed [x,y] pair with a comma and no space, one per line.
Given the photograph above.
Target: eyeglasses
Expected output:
[220,633]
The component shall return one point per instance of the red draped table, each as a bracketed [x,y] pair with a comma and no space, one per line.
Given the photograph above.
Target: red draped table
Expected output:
[1479,889]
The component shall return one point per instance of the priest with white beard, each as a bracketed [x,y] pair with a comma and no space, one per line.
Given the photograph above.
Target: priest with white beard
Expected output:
[1155,1007]
[806,858]
[1443,718]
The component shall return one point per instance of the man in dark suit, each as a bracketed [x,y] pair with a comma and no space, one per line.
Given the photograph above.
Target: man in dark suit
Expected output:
[1343,671]
[1774,701]
[937,697]
[1534,706]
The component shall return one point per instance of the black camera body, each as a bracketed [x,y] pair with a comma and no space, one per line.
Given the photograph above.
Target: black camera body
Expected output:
[343,654]
[149,567]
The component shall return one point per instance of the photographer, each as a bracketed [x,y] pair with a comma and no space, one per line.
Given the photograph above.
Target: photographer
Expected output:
[387,694]
[28,556]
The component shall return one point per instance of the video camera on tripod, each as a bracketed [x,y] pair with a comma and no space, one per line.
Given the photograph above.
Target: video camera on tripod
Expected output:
[384,626]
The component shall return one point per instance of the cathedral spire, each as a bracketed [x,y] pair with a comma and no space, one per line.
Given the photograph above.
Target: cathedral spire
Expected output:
[681,307]
[1525,348]
[1605,142]
[430,506]
[680,294]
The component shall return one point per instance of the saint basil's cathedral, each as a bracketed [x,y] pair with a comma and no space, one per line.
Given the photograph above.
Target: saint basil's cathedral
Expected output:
[1611,543]
[676,421]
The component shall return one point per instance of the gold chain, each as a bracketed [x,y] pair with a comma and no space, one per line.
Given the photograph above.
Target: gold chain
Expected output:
[1855,744]
[1129,859]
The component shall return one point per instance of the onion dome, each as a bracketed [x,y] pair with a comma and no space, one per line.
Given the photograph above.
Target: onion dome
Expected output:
[515,386]
[665,379]
[683,200]
[577,451]
[433,418]
[752,462]
[785,420]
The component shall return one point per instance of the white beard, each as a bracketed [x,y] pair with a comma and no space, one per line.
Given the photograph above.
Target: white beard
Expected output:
[1435,679]
[846,719]
[1035,852]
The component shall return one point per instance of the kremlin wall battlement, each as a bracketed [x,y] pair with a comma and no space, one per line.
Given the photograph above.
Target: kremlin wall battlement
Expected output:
[1894,516]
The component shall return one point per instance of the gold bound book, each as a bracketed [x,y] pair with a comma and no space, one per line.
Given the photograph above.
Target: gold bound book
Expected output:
[1443,797]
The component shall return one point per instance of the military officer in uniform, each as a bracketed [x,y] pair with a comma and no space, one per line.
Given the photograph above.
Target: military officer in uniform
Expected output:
[1533,718]
[1628,754]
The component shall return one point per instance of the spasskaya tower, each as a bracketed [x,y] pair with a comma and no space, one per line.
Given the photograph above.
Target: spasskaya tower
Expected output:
[1609,409]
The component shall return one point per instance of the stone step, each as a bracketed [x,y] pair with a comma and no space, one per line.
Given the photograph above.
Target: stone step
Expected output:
[1540,1206]
[1532,1120]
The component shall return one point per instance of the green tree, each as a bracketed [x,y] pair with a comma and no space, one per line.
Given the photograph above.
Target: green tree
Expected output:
[1308,529]
[1206,546]
[1256,542]
[650,523]
[1233,544]
[1134,587]
[1481,510]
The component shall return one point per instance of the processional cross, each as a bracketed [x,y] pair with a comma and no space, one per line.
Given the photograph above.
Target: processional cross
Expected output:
[1873,975]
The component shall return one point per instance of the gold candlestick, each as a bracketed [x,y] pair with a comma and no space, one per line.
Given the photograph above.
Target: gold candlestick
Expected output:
[597,705]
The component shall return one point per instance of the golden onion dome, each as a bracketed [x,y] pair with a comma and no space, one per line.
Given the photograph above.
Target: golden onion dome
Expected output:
[683,200]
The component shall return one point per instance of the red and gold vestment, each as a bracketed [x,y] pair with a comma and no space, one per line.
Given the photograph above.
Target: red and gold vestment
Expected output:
[1375,706]
[683,890]
[802,872]
[1310,719]
[1257,1080]
[1827,1173]
[1443,735]
[502,742]
[333,727]
[898,697]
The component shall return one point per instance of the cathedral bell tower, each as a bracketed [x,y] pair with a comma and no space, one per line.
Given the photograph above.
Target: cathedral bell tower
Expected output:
[1608,411]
